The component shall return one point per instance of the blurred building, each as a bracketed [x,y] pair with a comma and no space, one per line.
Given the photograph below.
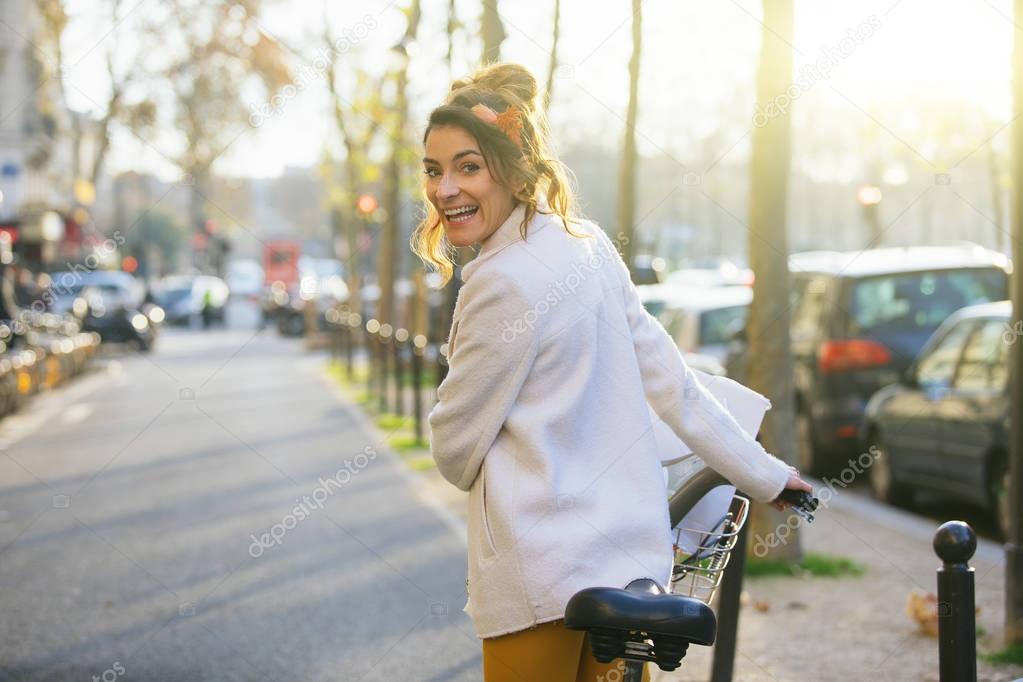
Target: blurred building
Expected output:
[36,159]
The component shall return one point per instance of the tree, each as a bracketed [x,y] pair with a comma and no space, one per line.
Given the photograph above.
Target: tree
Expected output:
[388,265]
[450,28]
[768,325]
[627,168]
[492,32]
[552,67]
[218,55]
[1014,546]
[136,114]
[358,122]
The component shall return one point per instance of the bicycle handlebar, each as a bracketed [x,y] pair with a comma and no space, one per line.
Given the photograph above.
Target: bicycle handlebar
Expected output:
[706,479]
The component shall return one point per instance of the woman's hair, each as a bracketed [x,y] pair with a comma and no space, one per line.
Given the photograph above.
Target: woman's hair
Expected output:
[530,171]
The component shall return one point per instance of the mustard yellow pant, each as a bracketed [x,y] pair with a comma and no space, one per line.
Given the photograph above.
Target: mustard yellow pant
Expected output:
[549,652]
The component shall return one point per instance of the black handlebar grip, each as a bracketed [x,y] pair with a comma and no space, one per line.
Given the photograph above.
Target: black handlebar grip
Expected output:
[799,498]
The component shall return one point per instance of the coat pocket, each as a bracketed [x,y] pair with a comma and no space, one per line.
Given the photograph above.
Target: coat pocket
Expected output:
[488,549]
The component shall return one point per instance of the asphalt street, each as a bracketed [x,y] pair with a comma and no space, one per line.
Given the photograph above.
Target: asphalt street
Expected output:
[214,511]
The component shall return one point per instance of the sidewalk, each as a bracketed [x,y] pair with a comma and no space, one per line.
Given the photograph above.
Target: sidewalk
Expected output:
[856,628]
[845,628]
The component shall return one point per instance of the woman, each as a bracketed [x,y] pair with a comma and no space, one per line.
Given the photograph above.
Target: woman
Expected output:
[543,416]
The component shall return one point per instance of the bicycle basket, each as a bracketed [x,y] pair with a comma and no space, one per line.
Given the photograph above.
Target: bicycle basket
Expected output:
[698,573]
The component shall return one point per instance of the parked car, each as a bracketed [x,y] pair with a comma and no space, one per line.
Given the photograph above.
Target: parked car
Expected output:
[701,320]
[647,269]
[711,272]
[110,303]
[944,426]
[182,297]
[858,320]
[116,289]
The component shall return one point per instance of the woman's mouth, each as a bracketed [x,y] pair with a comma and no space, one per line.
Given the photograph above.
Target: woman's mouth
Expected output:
[462,214]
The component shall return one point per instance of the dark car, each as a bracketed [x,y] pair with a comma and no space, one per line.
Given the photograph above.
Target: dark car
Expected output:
[111,304]
[944,427]
[859,319]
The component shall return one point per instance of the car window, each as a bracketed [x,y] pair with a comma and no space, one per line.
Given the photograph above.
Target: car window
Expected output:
[718,325]
[937,365]
[985,363]
[921,300]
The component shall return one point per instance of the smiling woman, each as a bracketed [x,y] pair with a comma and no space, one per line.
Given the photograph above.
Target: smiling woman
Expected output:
[544,415]
[486,152]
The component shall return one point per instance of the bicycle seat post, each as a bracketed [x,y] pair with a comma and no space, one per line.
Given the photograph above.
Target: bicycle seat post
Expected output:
[634,669]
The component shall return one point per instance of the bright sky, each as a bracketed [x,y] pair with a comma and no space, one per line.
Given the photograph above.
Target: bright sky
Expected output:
[699,61]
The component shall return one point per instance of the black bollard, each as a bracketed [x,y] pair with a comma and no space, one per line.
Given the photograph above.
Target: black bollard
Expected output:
[400,339]
[954,543]
[418,344]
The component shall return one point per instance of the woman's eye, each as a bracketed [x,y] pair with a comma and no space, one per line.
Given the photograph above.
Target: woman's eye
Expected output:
[431,172]
[470,167]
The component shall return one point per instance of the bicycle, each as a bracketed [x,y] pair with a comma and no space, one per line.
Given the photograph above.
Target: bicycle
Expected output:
[644,622]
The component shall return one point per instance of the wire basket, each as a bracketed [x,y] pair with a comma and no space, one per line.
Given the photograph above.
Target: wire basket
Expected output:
[698,574]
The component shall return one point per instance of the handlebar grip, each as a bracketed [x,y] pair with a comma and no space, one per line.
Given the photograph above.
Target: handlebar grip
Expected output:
[799,498]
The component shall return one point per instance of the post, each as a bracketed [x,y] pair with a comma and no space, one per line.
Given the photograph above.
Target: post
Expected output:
[955,542]
[385,339]
[400,338]
[418,344]
[723,662]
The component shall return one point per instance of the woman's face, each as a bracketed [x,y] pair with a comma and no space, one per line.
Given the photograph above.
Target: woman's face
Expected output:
[471,203]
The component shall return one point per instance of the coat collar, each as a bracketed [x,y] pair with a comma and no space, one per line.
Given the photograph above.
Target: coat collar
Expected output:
[507,234]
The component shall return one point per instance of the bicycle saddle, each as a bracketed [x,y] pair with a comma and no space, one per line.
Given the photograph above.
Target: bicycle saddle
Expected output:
[621,622]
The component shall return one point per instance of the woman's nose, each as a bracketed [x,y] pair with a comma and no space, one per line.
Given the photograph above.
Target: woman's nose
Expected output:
[448,187]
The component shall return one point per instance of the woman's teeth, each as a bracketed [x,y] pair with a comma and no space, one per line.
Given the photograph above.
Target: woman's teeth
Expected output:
[461,214]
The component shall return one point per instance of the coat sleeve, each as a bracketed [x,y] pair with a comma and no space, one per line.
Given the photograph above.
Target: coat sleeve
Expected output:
[683,403]
[491,348]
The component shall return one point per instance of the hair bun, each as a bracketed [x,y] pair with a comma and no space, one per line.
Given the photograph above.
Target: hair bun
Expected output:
[511,82]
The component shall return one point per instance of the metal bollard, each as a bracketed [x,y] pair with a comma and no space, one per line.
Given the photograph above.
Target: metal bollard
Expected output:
[418,346]
[955,542]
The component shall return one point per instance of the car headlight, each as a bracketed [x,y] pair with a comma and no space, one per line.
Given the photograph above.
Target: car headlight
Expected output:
[156,314]
[139,321]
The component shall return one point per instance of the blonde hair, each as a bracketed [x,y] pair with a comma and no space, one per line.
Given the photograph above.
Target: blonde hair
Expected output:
[531,171]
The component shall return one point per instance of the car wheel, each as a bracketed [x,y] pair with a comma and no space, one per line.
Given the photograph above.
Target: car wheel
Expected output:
[804,443]
[883,484]
[1000,497]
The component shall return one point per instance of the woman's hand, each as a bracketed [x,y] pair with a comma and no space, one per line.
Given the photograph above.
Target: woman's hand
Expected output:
[794,483]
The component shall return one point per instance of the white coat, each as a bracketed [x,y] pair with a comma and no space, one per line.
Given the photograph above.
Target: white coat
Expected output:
[543,418]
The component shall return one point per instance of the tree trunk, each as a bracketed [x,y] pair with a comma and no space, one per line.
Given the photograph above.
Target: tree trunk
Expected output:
[450,28]
[1014,546]
[552,67]
[389,265]
[627,168]
[769,365]
[1001,236]
[492,32]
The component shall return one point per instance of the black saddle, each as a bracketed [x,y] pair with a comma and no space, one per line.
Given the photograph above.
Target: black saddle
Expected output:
[641,622]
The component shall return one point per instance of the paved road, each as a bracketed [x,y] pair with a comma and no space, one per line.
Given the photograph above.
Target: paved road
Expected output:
[128,505]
